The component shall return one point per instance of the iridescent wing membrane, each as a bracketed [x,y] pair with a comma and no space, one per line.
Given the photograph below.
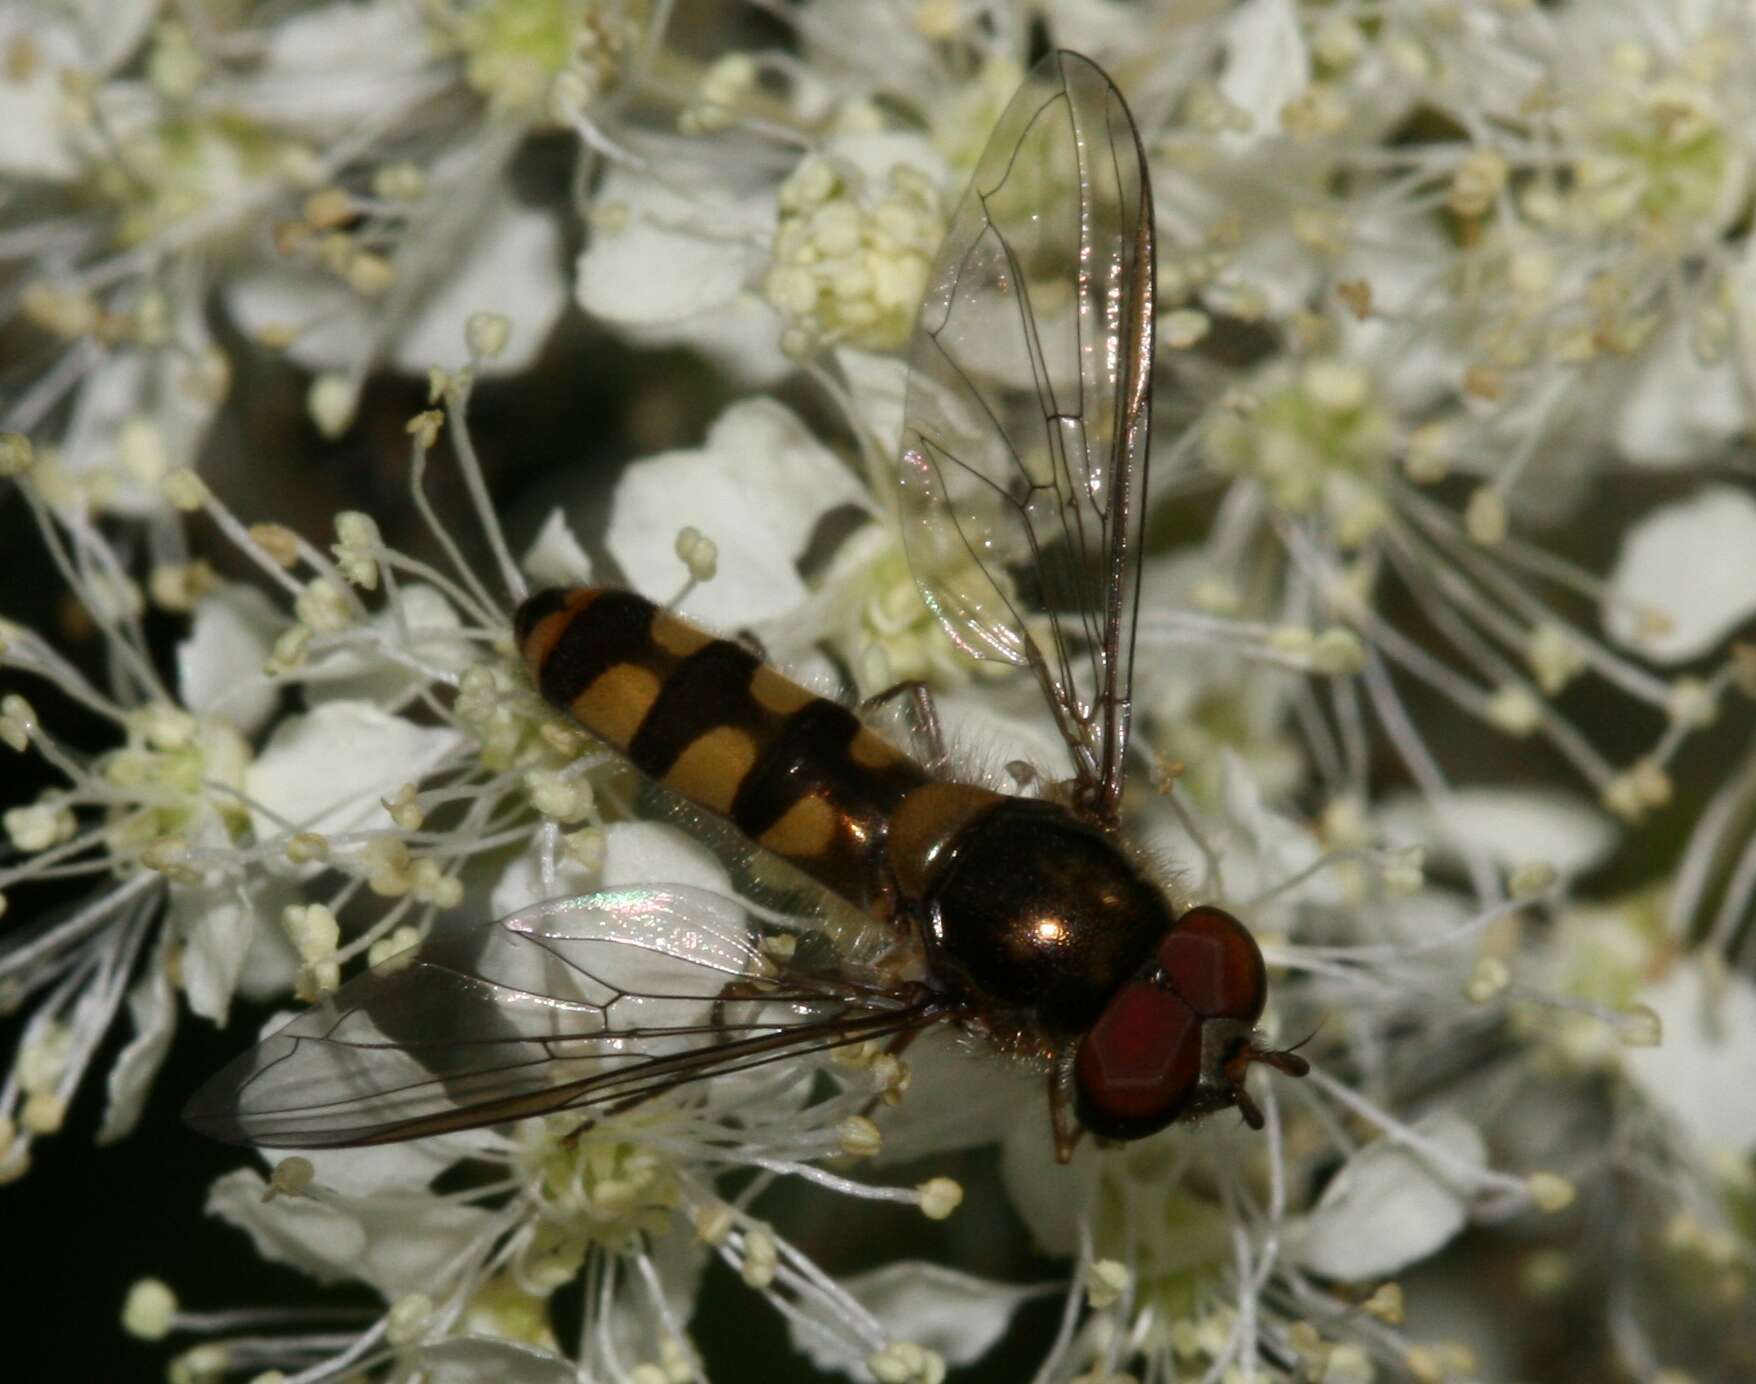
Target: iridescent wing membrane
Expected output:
[1024,448]
[572,1003]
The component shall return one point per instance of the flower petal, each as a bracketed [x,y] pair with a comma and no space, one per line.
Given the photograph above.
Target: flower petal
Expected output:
[215,927]
[1052,1200]
[219,666]
[398,1243]
[289,1230]
[512,264]
[957,1315]
[84,38]
[510,260]
[957,1099]
[420,623]
[1388,1206]
[326,771]
[1510,826]
[324,71]
[654,853]
[1693,563]
[477,1360]
[1700,1072]
[879,385]
[556,557]
[671,257]
[134,418]
[757,489]
[364,1172]
[741,339]
[1267,64]
[1674,410]
[152,1006]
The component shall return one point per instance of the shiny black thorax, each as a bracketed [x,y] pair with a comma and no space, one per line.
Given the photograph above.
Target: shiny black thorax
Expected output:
[1037,918]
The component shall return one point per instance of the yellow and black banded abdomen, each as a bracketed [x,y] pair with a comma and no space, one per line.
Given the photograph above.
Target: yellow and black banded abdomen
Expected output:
[796,773]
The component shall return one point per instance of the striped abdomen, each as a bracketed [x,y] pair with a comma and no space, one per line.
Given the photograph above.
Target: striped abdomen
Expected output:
[797,773]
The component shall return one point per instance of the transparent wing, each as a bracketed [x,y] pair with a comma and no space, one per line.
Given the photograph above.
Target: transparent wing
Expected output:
[1030,377]
[608,997]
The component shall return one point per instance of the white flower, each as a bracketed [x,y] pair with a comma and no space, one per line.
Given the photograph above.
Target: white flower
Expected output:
[1686,576]
[38,123]
[468,243]
[1452,301]
[1390,1206]
[1706,1022]
[757,489]
[666,267]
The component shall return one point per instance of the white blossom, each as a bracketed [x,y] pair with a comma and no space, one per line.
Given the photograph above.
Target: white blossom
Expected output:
[1448,568]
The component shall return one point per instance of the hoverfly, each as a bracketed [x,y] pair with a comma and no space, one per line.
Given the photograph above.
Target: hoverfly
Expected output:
[1026,919]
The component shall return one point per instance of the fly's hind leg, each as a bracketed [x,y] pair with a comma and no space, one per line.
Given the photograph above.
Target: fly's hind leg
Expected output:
[923,712]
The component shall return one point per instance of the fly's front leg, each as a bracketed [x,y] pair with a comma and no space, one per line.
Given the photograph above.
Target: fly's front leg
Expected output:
[923,716]
[1065,1127]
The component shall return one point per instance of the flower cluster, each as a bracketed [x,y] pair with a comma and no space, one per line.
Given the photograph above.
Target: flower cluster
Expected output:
[1437,681]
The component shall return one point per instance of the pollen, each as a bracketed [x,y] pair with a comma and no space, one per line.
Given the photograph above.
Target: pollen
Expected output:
[331,402]
[324,608]
[940,1196]
[1532,879]
[291,1177]
[859,1137]
[1386,1304]
[409,1317]
[1106,1280]
[403,939]
[313,931]
[358,546]
[903,1362]
[761,1258]
[1488,980]
[714,1223]
[698,553]
[17,456]
[148,1310]
[599,1190]
[851,255]
[1515,710]
[1550,1191]
[487,334]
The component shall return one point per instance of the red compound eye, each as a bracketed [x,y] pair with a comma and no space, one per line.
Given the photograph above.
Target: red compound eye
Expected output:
[1213,962]
[1139,1065]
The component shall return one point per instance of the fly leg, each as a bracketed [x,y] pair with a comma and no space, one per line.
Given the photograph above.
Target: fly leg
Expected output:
[923,716]
[1066,1129]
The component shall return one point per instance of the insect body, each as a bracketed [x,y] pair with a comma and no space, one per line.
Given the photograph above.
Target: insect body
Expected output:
[1022,470]
[1034,922]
